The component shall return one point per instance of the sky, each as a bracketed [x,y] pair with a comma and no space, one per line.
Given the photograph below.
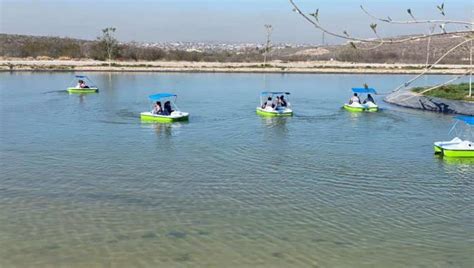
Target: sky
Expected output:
[215,20]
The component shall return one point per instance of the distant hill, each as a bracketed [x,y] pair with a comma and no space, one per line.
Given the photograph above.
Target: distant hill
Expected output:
[410,52]
[22,46]
[44,47]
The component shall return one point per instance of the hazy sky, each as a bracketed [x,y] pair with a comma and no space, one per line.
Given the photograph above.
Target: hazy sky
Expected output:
[212,20]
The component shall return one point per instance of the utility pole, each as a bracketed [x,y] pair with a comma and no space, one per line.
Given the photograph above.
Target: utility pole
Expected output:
[470,75]
[470,64]
[269,30]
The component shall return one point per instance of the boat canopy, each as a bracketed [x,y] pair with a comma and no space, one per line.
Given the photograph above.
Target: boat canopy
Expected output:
[85,77]
[274,93]
[466,119]
[364,90]
[160,96]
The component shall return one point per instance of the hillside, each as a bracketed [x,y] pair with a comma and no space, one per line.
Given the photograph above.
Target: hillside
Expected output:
[414,52]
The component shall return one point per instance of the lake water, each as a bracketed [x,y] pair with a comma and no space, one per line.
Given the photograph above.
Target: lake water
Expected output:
[84,183]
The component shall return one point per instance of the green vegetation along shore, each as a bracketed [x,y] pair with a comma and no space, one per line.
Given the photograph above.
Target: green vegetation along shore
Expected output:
[450,92]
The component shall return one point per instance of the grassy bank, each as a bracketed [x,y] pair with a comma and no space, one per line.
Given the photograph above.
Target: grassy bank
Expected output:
[451,92]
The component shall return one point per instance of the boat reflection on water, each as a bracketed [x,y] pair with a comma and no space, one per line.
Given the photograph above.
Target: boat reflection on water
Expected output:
[355,115]
[459,169]
[455,160]
[163,129]
[276,127]
[82,97]
[275,122]
[356,118]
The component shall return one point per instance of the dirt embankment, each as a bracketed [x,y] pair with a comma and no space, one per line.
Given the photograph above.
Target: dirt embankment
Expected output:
[16,64]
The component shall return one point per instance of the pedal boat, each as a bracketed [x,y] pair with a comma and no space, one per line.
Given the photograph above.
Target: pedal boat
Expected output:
[271,112]
[175,116]
[457,147]
[78,90]
[364,107]
[274,112]
[75,90]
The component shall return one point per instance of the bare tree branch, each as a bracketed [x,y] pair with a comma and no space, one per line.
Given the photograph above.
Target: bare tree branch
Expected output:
[411,14]
[437,86]
[389,20]
[467,34]
[432,28]
[406,84]
[346,36]
[443,84]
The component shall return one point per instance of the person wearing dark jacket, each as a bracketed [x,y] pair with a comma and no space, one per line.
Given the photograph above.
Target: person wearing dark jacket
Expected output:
[283,102]
[369,98]
[157,109]
[167,108]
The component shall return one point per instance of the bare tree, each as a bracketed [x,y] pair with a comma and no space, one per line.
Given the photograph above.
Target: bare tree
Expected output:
[268,29]
[467,34]
[109,43]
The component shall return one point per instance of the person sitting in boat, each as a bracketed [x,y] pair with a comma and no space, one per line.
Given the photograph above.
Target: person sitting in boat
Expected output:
[167,108]
[354,99]
[283,102]
[81,84]
[277,102]
[268,104]
[157,109]
[369,99]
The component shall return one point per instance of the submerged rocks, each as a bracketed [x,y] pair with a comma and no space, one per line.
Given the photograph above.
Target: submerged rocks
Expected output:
[409,99]
[176,234]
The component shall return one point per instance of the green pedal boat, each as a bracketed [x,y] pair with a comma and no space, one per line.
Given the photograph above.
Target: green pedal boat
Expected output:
[84,85]
[165,110]
[272,106]
[356,105]
[457,147]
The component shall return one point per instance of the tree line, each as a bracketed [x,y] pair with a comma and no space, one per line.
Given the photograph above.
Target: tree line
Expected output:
[23,46]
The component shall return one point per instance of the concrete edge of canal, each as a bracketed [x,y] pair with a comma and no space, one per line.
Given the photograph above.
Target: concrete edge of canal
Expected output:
[409,99]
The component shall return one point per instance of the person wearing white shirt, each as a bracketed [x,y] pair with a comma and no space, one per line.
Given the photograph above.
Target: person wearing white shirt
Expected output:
[268,104]
[354,99]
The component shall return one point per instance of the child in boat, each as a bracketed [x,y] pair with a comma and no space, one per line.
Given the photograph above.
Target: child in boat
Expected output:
[167,108]
[283,102]
[157,109]
[354,99]
[369,99]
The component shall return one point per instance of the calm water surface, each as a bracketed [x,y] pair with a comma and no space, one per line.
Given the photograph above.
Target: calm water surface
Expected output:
[83,183]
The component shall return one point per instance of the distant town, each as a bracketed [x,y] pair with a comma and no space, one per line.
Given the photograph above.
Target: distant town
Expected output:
[214,46]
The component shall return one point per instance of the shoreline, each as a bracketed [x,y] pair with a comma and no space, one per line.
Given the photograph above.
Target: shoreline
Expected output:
[327,67]
[413,100]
